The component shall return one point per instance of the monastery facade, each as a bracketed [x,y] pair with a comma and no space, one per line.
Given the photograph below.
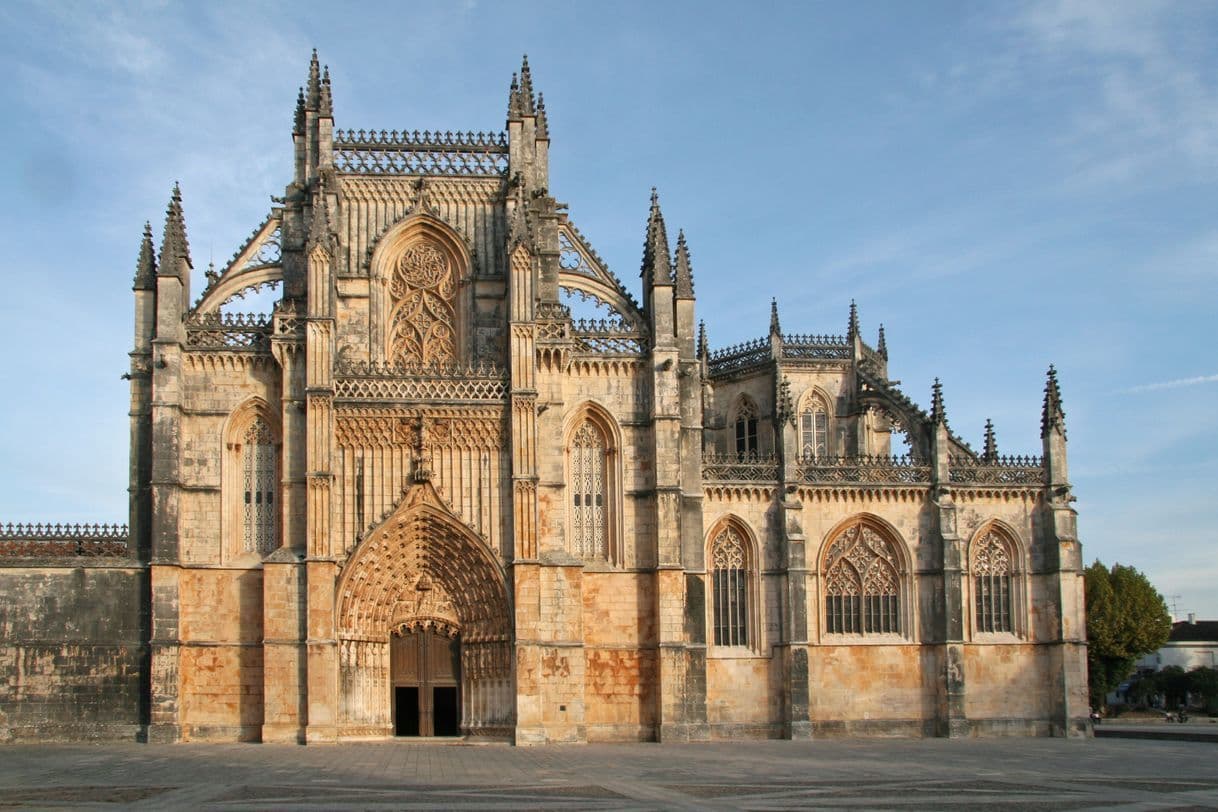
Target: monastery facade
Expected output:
[421,498]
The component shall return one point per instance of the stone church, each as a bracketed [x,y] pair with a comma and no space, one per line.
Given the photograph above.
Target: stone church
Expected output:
[460,481]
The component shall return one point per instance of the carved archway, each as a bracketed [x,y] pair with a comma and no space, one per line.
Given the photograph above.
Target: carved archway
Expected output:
[422,568]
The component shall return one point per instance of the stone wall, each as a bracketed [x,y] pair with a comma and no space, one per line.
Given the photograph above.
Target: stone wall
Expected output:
[74,661]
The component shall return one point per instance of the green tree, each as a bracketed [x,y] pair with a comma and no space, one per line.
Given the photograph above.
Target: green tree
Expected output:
[1203,684]
[1173,683]
[1126,619]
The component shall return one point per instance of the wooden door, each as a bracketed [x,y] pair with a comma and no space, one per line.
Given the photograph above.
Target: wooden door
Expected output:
[425,669]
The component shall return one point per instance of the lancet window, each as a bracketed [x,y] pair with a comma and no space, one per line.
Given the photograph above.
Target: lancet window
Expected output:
[862,583]
[588,488]
[993,573]
[259,479]
[746,428]
[423,327]
[813,430]
[730,577]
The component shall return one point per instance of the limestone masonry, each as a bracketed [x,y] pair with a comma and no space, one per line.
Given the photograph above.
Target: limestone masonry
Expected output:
[421,498]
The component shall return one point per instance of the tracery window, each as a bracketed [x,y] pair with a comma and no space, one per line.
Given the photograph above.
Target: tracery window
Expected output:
[730,588]
[588,481]
[862,584]
[423,325]
[746,428]
[258,484]
[992,577]
[814,431]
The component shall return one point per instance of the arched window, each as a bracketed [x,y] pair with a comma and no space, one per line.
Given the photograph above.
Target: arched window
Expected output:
[993,573]
[813,429]
[746,428]
[730,587]
[862,583]
[259,482]
[251,497]
[588,511]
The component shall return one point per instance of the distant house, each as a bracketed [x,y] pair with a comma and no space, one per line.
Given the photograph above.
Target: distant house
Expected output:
[1192,643]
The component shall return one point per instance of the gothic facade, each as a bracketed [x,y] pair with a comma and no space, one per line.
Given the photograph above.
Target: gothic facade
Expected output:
[424,496]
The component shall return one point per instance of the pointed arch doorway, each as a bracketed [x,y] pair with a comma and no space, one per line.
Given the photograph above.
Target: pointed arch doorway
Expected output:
[425,629]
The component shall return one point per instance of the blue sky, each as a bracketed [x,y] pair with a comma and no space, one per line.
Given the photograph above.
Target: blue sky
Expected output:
[1003,186]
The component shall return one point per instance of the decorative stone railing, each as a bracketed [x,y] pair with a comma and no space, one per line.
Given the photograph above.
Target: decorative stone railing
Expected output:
[442,382]
[63,540]
[739,356]
[816,347]
[876,470]
[229,331]
[739,468]
[607,336]
[997,471]
[384,152]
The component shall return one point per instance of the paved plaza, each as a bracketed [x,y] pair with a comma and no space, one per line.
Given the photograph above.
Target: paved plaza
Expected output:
[1007,774]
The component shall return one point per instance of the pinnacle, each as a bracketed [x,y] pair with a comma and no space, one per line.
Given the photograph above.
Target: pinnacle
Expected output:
[314,85]
[145,266]
[325,106]
[683,272]
[937,413]
[1052,415]
[703,347]
[174,245]
[521,101]
[990,451]
[656,268]
[775,327]
[852,328]
[298,121]
[881,345]
[543,125]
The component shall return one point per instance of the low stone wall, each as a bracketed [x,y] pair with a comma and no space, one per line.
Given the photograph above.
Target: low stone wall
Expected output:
[73,662]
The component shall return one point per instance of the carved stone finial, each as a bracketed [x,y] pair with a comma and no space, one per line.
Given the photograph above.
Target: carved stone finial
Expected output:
[656,269]
[1053,416]
[703,346]
[937,413]
[990,449]
[174,245]
[881,345]
[325,104]
[543,124]
[313,88]
[683,272]
[513,112]
[298,120]
[145,266]
[852,329]
[785,408]
[775,326]
[527,99]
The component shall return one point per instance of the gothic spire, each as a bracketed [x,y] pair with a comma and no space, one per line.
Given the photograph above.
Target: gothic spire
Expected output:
[526,88]
[703,347]
[1052,415]
[520,94]
[543,125]
[325,106]
[683,272]
[145,266]
[298,121]
[881,345]
[990,450]
[937,413]
[656,269]
[313,97]
[852,329]
[173,244]
[775,327]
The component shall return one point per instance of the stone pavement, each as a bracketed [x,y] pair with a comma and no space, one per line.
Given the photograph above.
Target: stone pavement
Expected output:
[898,774]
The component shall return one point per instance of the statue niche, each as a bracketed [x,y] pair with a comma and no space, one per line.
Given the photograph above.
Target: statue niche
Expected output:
[423,323]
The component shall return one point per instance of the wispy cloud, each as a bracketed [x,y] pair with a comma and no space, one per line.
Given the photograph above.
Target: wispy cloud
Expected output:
[1153,105]
[1196,380]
